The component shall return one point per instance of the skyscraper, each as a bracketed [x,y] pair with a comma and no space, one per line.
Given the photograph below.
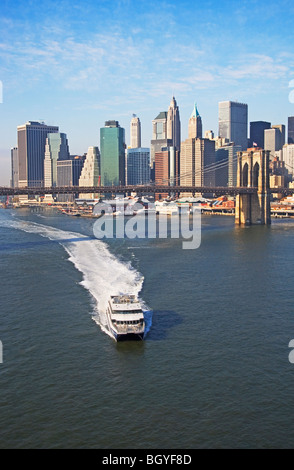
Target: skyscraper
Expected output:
[282,129]
[195,125]
[69,171]
[196,156]
[31,139]
[272,140]
[166,129]
[233,122]
[173,127]
[56,149]
[291,130]
[159,136]
[135,132]
[112,146]
[257,129]
[226,174]
[166,168]
[138,166]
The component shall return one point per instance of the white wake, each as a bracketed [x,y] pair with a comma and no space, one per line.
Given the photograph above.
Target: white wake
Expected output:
[103,274]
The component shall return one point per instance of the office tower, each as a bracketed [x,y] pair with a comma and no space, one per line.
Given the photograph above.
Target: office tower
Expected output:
[173,125]
[291,130]
[197,163]
[14,167]
[56,149]
[112,146]
[257,129]
[233,122]
[138,166]
[195,125]
[167,168]
[69,171]
[135,132]
[159,138]
[31,139]
[227,164]
[273,140]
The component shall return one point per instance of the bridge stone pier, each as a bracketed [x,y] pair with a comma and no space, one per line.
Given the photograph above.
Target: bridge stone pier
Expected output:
[253,172]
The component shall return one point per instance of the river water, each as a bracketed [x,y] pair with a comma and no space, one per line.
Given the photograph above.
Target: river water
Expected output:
[213,371]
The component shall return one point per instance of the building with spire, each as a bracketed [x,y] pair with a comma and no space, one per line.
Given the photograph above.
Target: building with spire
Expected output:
[195,125]
[196,155]
[166,133]
[174,125]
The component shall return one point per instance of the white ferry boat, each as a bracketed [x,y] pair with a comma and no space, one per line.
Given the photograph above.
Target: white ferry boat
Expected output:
[125,317]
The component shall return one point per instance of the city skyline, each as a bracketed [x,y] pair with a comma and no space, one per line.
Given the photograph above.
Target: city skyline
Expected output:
[79,67]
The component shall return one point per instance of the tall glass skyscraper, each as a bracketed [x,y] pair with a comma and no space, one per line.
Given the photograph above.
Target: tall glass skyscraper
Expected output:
[112,148]
[233,122]
[31,139]
[56,149]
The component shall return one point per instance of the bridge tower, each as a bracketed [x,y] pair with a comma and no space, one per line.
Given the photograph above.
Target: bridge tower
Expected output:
[253,172]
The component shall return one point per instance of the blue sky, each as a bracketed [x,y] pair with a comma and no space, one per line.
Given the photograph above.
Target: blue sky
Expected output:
[77,64]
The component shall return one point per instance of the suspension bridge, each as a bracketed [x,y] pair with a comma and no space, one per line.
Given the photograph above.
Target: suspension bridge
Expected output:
[252,191]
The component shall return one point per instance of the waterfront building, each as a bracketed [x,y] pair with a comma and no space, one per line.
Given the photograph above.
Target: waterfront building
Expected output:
[195,125]
[167,168]
[31,140]
[90,172]
[138,166]
[291,130]
[233,122]
[135,132]
[14,168]
[112,146]
[56,149]
[257,129]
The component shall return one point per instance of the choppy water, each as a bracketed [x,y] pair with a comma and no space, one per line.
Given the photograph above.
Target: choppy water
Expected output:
[213,370]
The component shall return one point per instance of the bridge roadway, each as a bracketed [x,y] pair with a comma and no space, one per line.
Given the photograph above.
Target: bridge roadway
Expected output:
[144,189]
